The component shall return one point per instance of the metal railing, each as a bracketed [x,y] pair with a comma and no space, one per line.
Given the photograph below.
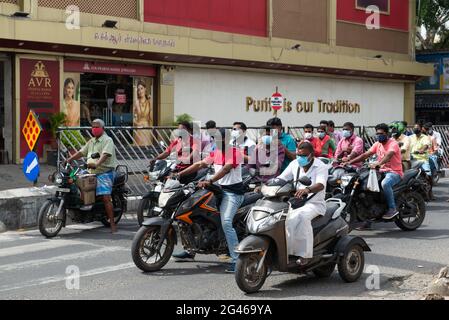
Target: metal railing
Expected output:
[136,146]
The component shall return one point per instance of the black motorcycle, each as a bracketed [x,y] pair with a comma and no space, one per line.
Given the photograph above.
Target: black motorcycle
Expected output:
[67,200]
[196,214]
[362,205]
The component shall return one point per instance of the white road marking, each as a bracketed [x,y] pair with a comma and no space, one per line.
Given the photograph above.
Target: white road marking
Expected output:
[41,246]
[57,259]
[48,280]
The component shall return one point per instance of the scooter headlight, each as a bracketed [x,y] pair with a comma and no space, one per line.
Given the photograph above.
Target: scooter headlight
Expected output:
[58,178]
[164,197]
[261,219]
[345,181]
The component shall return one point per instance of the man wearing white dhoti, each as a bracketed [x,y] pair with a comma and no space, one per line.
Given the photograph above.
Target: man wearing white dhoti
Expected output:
[299,229]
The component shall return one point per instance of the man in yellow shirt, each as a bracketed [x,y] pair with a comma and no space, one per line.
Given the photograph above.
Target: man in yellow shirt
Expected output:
[420,146]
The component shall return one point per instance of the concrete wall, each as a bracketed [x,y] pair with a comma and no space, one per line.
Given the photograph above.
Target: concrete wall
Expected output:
[221,95]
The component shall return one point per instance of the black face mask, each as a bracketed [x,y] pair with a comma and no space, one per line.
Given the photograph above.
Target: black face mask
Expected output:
[417,131]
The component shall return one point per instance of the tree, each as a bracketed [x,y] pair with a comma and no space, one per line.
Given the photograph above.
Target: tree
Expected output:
[433,16]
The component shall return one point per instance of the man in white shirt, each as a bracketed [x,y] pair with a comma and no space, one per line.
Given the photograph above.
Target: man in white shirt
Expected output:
[299,229]
[244,143]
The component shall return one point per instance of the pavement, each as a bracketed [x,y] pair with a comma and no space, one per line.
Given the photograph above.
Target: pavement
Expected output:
[32,267]
[12,177]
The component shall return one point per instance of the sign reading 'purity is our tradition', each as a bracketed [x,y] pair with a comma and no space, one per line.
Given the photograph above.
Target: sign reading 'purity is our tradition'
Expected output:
[320,106]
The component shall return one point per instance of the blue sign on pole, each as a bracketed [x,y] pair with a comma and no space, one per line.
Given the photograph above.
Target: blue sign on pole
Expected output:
[31,166]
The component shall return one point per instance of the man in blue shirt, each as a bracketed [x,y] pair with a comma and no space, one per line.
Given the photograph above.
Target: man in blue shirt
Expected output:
[287,141]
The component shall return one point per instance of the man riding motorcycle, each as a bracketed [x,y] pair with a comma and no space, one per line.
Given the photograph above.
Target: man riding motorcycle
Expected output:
[299,229]
[104,167]
[227,161]
[389,161]
[397,129]
[186,147]
[350,146]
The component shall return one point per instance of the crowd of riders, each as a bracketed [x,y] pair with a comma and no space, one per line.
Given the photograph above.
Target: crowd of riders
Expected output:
[278,154]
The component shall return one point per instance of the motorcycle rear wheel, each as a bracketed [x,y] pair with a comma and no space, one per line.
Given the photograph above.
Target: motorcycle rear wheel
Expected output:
[412,201]
[144,247]
[246,276]
[117,202]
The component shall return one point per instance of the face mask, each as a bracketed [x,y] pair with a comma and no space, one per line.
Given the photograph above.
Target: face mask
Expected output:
[267,140]
[303,161]
[321,135]
[177,133]
[235,134]
[430,132]
[308,136]
[347,133]
[382,138]
[416,131]
[97,132]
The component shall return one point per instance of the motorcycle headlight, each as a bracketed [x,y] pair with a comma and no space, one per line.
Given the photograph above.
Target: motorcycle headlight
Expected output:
[270,191]
[164,197]
[345,180]
[58,178]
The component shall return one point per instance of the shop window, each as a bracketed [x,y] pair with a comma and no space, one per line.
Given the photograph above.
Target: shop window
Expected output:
[113,8]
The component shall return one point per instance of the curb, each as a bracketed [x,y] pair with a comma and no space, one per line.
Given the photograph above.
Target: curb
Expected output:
[19,208]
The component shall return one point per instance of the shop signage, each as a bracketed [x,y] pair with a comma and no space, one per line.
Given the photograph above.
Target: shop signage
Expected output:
[108,68]
[319,106]
[39,98]
[125,38]
[277,101]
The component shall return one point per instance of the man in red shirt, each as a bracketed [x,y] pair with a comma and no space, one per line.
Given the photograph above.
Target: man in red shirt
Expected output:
[186,148]
[227,161]
[389,160]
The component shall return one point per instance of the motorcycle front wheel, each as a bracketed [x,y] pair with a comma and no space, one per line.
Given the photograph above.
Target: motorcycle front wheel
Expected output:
[48,221]
[145,210]
[144,251]
[246,275]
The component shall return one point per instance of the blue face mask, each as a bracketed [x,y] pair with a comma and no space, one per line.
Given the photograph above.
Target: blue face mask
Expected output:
[267,140]
[347,133]
[382,138]
[303,161]
[321,135]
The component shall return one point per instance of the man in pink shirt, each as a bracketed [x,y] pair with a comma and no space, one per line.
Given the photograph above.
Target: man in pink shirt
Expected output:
[350,146]
[389,161]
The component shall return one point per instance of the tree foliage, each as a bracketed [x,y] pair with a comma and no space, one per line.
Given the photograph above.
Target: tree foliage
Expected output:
[433,15]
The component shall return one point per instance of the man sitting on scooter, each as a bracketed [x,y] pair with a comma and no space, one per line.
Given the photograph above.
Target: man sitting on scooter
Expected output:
[187,150]
[389,161]
[227,161]
[104,167]
[299,229]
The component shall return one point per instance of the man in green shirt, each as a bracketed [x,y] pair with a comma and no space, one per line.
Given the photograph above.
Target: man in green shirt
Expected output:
[104,167]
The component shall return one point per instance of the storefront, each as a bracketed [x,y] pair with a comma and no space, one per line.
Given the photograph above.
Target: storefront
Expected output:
[120,94]
[228,96]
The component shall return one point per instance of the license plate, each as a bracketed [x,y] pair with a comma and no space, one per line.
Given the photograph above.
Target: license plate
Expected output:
[158,188]
[157,209]
[63,190]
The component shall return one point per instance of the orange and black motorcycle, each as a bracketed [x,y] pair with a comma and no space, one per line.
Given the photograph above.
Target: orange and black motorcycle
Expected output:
[196,214]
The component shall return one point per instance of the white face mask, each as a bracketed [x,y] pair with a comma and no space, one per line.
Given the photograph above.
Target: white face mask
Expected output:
[308,136]
[235,134]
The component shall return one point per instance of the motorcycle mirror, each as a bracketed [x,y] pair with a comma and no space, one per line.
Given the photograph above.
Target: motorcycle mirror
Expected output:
[95,155]
[305,181]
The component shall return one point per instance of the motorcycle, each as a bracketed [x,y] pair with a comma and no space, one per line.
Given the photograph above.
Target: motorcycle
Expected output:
[363,205]
[265,247]
[196,214]
[67,201]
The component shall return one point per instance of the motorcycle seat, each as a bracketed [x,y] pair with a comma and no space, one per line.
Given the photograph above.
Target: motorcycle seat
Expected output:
[408,175]
[320,222]
[251,197]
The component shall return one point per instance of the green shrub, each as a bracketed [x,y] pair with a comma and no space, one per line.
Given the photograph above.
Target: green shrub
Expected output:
[72,139]
[181,118]
[57,120]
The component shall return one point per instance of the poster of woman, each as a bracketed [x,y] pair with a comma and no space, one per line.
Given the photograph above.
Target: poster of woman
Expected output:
[143,110]
[70,102]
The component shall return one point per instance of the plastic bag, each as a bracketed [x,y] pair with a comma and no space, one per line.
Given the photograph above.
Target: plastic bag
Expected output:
[373,183]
